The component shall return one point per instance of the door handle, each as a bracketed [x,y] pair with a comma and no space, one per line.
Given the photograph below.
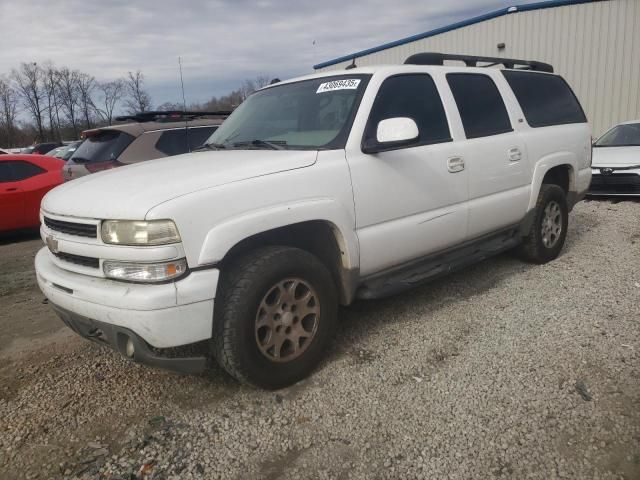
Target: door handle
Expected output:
[455,164]
[13,189]
[515,154]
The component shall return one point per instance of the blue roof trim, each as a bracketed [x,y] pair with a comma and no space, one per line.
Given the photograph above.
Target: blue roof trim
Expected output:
[454,26]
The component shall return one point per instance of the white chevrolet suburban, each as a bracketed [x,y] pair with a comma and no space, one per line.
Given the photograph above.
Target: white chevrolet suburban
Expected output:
[315,192]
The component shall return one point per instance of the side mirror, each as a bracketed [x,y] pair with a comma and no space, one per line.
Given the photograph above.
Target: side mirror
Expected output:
[393,133]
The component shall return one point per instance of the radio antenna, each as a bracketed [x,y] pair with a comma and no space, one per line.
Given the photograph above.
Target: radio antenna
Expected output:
[184,105]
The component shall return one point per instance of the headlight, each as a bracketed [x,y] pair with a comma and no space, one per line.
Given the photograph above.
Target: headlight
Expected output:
[128,232]
[144,272]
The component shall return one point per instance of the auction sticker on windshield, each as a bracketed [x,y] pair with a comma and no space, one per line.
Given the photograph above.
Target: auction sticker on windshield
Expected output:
[346,84]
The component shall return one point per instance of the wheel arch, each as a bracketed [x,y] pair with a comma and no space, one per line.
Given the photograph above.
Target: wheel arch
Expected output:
[321,226]
[558,169]
[318,237]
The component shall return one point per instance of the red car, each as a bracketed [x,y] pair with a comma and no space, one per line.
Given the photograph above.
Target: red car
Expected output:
[24,180]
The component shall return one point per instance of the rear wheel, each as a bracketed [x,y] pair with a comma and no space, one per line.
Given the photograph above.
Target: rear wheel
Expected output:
[275,313]
[548,231]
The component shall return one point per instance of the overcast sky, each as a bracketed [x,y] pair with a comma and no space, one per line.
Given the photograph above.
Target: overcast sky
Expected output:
[220,42]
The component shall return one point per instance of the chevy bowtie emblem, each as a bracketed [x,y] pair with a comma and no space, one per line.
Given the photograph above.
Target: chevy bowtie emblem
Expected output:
[52,243]
[606,171]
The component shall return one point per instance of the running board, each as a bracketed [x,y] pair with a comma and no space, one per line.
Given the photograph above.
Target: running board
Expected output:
[415,273]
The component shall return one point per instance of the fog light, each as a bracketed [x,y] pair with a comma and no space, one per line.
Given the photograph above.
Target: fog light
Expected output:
[130,349]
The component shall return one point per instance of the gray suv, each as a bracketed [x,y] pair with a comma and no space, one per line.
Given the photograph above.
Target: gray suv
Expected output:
[147,136]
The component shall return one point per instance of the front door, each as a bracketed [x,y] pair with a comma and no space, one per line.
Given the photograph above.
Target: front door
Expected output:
[409,202]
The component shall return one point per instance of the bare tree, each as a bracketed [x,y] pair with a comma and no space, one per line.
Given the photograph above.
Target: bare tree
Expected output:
[112,93]
[29,84]
[8,110]
[69,95]
[86,86]
[261,81]
[138,99]
[50,75]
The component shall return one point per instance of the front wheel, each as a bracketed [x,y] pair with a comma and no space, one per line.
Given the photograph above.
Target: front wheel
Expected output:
[549,228]
[275,314]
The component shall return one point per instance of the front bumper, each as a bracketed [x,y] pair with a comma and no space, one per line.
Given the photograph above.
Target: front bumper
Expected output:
[191,358]
[162,315]
[616,181]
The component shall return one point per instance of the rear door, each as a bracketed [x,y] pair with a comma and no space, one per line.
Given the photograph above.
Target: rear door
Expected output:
[495,155]
[11,199]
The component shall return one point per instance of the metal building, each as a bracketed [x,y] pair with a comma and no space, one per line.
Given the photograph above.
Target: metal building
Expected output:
[593,44]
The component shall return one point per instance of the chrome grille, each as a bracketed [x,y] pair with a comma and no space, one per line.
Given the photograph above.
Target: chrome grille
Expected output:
[72,228]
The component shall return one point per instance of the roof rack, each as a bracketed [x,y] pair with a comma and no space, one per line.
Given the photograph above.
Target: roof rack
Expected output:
[169,116]
[432,58]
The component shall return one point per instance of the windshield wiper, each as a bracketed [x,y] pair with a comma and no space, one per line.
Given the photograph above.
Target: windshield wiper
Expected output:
[210,146]
[275,145]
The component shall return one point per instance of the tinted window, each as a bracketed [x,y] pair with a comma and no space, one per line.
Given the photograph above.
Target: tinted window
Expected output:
[5,172]
[174,142]
[545,99]
[480,105]
[24,170]
[46,147]
[198,135]
[413,96]
[103,146]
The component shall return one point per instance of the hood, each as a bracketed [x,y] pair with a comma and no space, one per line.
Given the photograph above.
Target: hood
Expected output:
[130,192]
[616,156]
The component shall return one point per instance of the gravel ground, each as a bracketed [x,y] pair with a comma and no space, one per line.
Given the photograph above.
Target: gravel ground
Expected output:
[503,370]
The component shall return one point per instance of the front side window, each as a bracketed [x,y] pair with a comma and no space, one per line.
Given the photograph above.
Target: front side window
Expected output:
[102,146]
[545,99]
[310,114]
[414,96]
[627,135]
[23,170]
[480,104]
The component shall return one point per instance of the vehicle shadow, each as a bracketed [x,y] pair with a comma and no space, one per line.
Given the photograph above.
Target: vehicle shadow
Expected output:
[17,236]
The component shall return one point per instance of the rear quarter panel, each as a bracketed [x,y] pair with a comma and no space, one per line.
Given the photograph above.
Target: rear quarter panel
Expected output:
[548,147]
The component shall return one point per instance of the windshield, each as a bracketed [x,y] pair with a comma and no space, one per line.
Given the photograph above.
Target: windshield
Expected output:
[103,146]
[311,114]
[621,136]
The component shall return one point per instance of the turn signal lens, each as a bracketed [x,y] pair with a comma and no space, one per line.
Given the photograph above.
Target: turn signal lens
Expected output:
[144,272]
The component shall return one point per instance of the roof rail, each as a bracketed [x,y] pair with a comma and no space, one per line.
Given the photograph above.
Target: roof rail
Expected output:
[432,58]
[169,116]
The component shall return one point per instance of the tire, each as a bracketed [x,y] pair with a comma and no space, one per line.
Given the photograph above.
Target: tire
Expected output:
[254,291]
[540,245]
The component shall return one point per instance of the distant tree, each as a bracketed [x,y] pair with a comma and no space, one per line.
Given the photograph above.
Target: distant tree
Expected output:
[29,84]
[86,86]
[168,106]
[8,112]
[70,95]
[50,75]
[138,100]
[111,94]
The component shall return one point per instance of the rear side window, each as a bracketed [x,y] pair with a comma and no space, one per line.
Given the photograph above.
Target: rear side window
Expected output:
[103,146]
[480,105]
[545,99]
[175,142]
[414,96]
[23,170]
